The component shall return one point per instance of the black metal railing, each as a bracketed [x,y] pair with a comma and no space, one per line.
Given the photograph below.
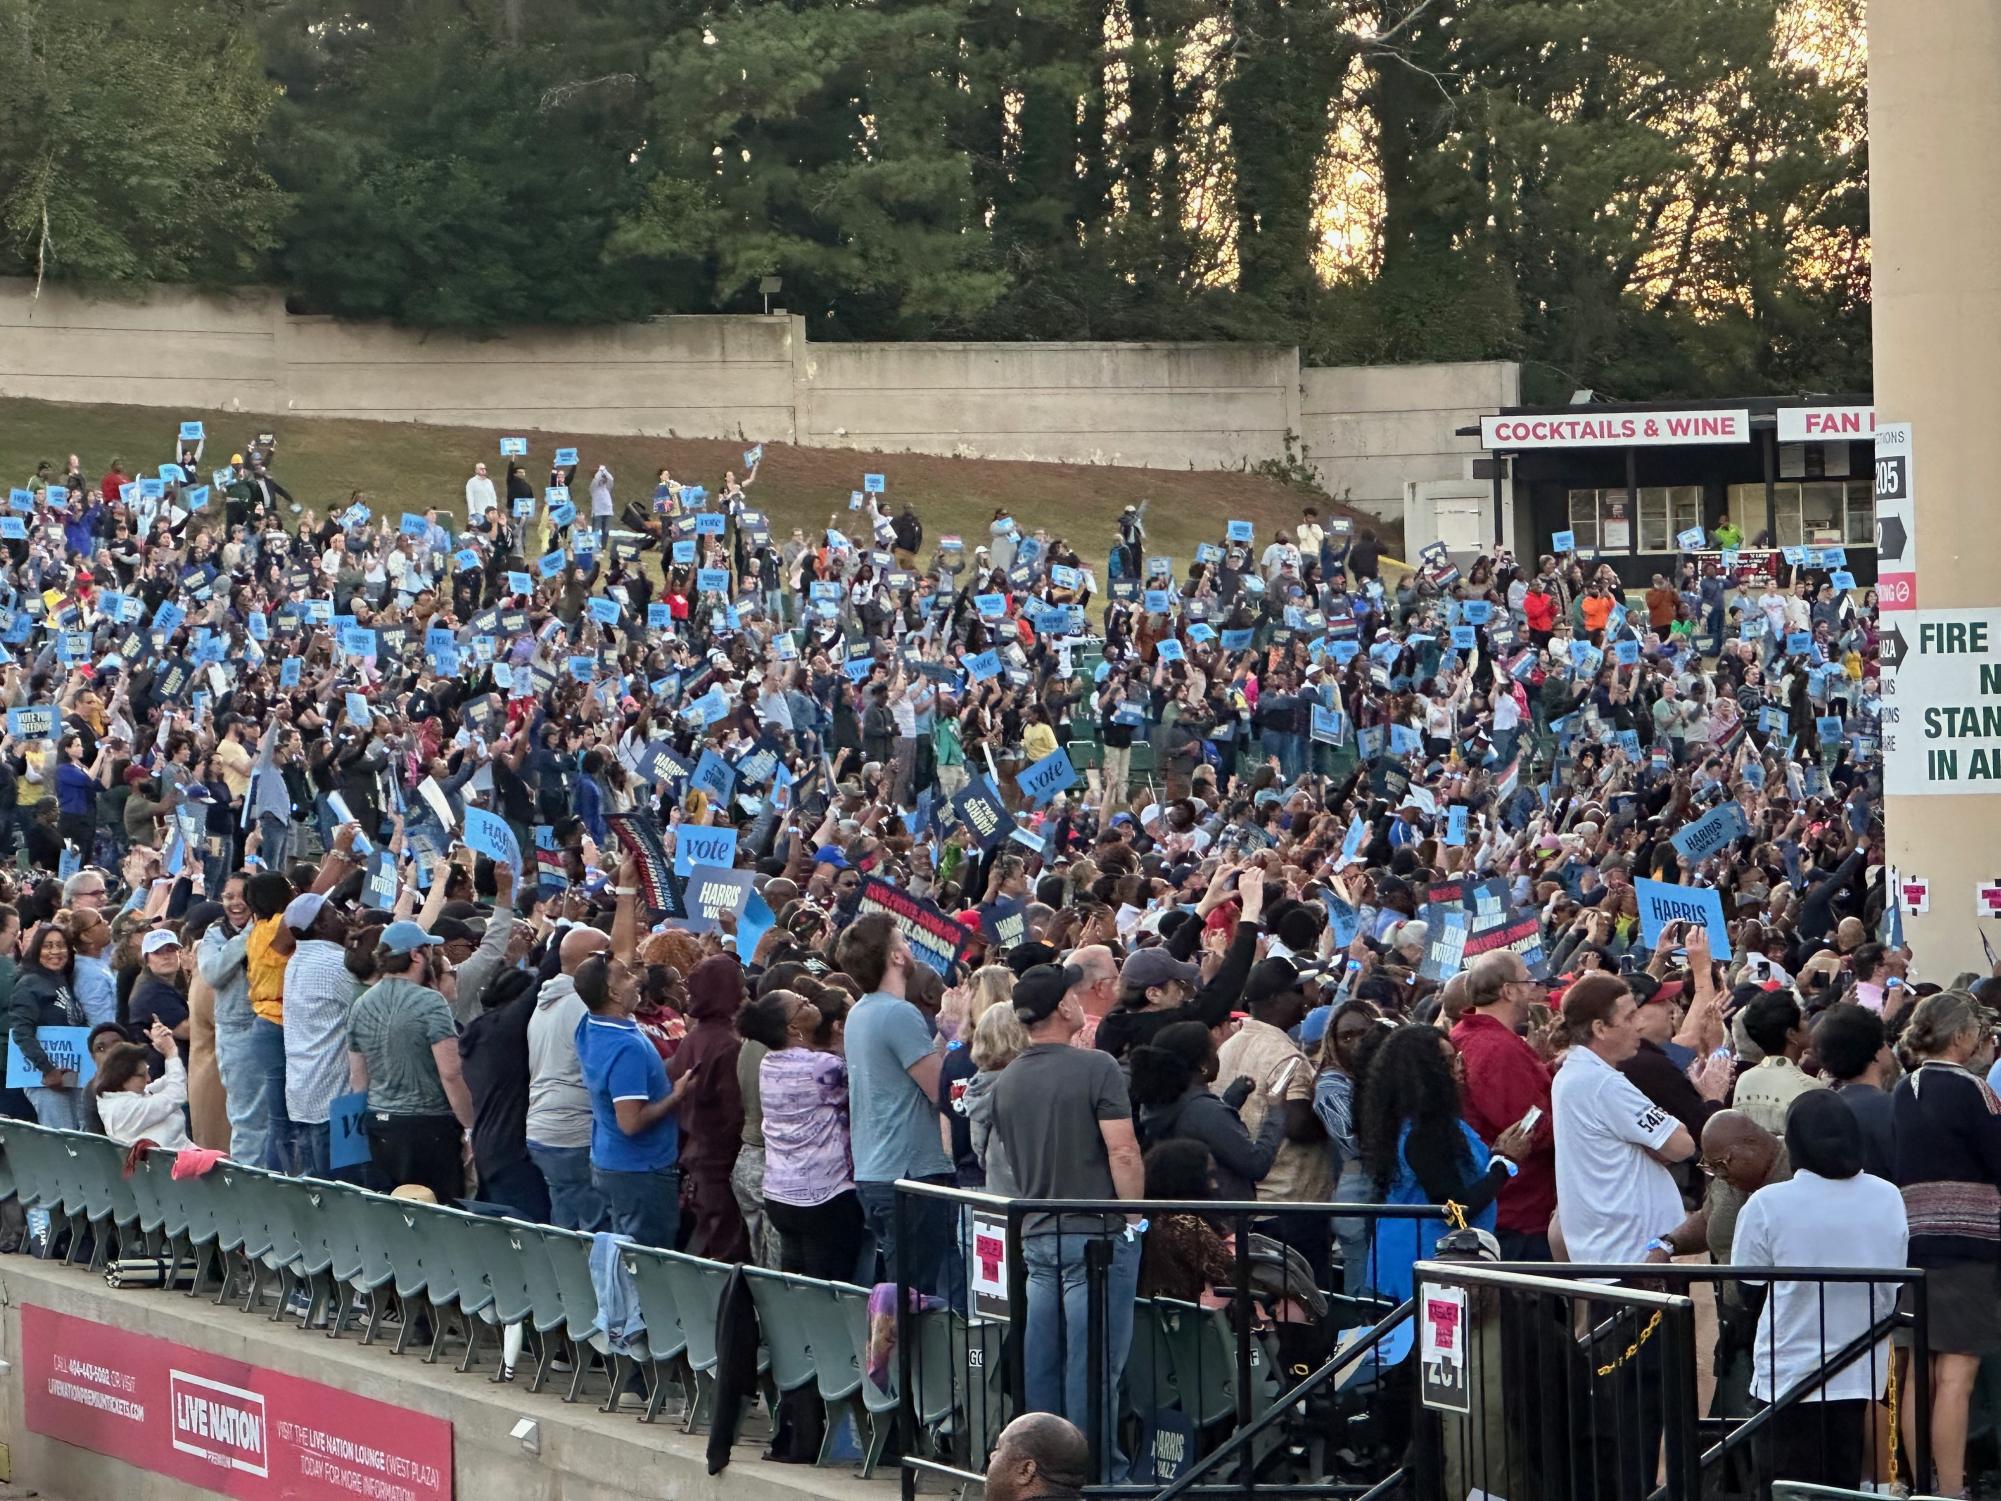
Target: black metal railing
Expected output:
[1240,1307]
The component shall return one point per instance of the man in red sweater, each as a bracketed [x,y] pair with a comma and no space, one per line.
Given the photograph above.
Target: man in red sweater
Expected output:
[1504,1081]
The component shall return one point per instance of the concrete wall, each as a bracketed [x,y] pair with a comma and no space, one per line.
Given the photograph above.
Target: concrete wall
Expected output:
[1178,406]
[1200,406]
[1367,429]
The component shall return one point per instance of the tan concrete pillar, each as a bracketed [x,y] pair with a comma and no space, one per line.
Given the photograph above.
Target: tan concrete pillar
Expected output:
[1935,224]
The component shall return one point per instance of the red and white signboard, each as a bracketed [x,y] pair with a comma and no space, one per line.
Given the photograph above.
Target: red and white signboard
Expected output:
[1586,428]
[1827,424]
[220,1424]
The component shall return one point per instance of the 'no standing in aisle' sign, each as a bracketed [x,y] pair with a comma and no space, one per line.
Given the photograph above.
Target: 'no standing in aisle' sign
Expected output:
[1942,704]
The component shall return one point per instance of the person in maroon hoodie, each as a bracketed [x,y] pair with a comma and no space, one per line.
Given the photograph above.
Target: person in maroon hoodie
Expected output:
[1505,1080]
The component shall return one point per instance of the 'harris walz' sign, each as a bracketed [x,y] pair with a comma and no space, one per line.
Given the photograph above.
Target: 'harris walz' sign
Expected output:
[936,940]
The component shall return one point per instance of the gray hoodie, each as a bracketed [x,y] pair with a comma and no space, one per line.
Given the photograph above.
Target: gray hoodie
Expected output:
[978,1105]
[559,1107]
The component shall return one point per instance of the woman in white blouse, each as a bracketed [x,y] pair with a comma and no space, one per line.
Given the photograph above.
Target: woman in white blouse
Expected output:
[134,1109]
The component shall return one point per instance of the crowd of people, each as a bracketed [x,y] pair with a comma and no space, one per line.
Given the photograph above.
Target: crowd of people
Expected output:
[636,864]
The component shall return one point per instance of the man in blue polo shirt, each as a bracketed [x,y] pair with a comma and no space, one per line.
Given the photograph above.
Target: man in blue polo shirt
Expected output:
[635,1140]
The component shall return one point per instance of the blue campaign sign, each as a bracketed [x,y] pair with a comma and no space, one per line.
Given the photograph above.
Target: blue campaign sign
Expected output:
[1477,611]
[34,722]
[1829,726]
[289,670]
[1465,638]
[1455,825]
[465,560]
[1157,601]
[1344,650]
[13,528]
[1563,542]
[1626,652]
[197,498]
[872,484]
[21,500]
[357,641]
[1711,833]
[752,457]
[695,845]
[1238,640]
[1047,777]
[514,448]
[1690,540]
[1794,555]
[1170,650]
[1833,557]
[258,626]
[990,606]
[1239,531]
[551,563]
[193,432]
[151,487]
[524,506]
[981,810]
[1351,845]
[1208,552]
[1063,576]
[712,706]
[563,515]
[684,551]
[66,1047]
[583,669]
[556,495]
[566,458]
[347,1141]
[712,580]
[604,611]
[1842,579]
[714,776]
[1330,726]
[357,707]
[658,617]
[1629,742]
[1404,740]
[1662,902]
[979,667]
[710,524]
[173,474]
[1799,643]
[414,525]
[519,583]
[489,834]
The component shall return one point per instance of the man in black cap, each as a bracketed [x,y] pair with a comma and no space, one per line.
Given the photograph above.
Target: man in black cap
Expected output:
[1066,1121]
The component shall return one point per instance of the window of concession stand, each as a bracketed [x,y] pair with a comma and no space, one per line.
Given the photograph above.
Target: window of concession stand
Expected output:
[1788,471]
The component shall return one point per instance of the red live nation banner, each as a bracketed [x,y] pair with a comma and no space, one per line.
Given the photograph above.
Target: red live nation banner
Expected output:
[220,1424]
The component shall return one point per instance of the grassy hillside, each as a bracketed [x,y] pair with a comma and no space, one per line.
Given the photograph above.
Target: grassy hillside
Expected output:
[403,466]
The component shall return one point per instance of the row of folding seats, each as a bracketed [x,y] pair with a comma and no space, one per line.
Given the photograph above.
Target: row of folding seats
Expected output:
[338,1255]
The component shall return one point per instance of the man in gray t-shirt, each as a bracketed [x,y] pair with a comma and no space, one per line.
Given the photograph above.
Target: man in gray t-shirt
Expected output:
[1066,1121]
[893,1063]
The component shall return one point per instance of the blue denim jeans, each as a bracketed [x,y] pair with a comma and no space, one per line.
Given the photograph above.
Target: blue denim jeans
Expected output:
[307,1148]
[1058,1349]
[58,1109]
[241,1095]
[264,1073]
[644,1206]
[930,1252]
[575,1201]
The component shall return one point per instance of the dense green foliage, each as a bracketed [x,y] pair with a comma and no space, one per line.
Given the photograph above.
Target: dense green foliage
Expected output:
[1641,196]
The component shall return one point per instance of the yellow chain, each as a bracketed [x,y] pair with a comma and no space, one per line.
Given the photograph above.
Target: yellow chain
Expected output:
[1893,1420]
[1634,1348]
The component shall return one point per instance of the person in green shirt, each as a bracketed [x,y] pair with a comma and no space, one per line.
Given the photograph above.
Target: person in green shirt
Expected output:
[1728,534]
[950,755]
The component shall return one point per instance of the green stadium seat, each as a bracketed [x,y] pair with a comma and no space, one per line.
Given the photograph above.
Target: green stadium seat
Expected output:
[1087,755]
[570,1260]
[665,1341]
[837,1361]
[779,1300]
[698,1293]
[545,1296]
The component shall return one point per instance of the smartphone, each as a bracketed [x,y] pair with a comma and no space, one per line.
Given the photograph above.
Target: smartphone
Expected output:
[1284,1078]
[1529,1121]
